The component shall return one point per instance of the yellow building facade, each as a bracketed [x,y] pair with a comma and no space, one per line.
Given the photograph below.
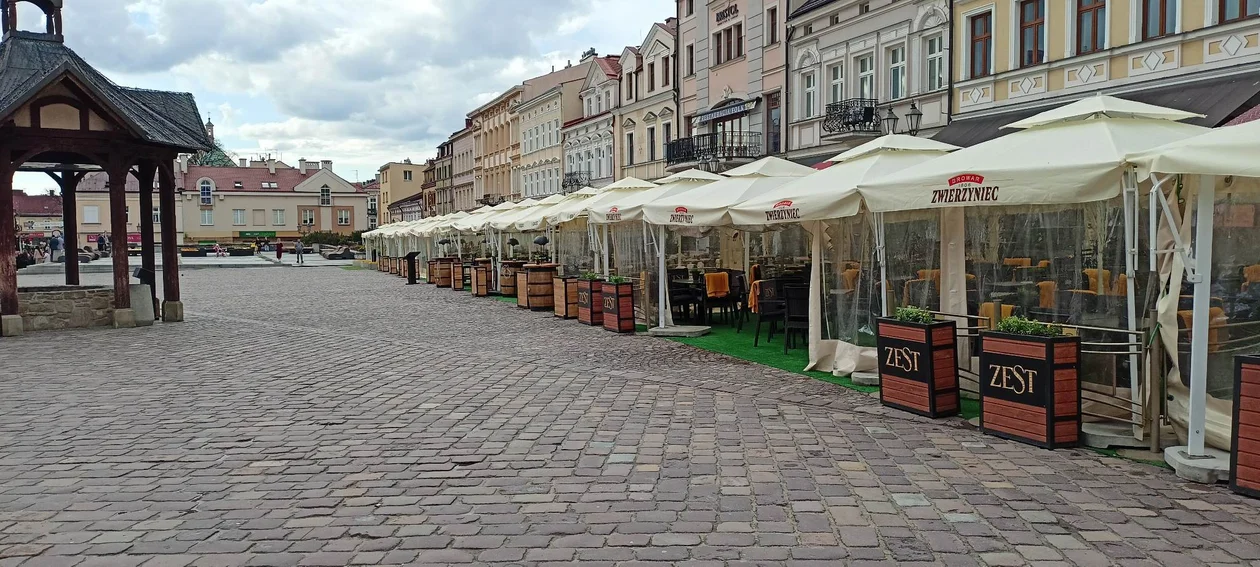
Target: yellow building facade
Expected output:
[398,180]
[1013,58]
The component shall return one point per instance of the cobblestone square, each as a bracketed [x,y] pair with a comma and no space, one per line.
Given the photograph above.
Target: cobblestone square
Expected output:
[324,416]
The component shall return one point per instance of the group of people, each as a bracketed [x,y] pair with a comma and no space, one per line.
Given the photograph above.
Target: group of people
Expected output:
[298,249]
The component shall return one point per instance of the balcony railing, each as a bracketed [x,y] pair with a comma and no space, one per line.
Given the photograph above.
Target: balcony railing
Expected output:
[492,200]
[852,116]
[714,147]
[575,180]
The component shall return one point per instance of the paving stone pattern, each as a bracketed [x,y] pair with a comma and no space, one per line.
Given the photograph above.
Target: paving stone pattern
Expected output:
[334,417]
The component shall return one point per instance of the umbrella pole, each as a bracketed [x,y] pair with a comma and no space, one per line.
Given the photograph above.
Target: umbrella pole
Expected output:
[662,274]
[1130,270]
[1204,208]
[881,256]
[605,250]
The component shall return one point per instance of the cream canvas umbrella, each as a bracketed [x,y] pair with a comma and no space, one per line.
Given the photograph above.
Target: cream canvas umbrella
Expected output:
[1072,154]
[561,212]
[533,219]
[477,222]
[832,193]
[707,205]
[506,219]
[627,204]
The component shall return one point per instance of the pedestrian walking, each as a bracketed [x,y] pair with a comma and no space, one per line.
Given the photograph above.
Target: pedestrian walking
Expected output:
[54,248]
[299,249]
[279,250]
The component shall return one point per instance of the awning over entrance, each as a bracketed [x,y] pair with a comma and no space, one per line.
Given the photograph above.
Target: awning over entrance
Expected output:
[1217,99]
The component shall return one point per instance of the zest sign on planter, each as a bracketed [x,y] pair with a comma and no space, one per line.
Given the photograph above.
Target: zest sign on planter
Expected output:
[1244,458]
[1030,388]
[918,370]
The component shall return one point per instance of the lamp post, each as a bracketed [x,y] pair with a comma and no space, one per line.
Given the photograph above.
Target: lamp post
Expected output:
[914,117]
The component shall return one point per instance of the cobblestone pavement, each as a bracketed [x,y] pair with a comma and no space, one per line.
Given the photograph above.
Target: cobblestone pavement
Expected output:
[335,417]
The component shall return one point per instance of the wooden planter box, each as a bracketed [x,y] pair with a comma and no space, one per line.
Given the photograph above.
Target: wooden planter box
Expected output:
[535,284]
[618,307]
[481,280]
[1030,388]
[382,264]
[443,273]
[508,269]
[1244,458]
[590,302]
[394,263]
[240,252]
[432,279]
[457,275]
[565,297]
[192,254]
[918,368]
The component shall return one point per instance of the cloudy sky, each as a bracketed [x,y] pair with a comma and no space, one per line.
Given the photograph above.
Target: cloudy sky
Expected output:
[360,82]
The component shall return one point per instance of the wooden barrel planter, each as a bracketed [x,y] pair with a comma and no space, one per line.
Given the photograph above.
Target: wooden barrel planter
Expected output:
[507,277]
[918,369]
[618,307]
[457,275]
[565,297]
[1244,457]
[538,286]
[443,277]
[1030,388]
[481,280]
[590,303]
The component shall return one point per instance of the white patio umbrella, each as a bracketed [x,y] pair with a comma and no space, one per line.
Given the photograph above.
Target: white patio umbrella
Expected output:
[627,204]
[533,219]
[1231,151]
[708,205]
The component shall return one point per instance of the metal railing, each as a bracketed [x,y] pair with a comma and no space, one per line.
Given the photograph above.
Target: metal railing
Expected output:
[714,147]
[852,116]
[576,180]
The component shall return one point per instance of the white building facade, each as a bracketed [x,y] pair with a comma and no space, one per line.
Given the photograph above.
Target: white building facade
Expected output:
[647,117]
[589,141]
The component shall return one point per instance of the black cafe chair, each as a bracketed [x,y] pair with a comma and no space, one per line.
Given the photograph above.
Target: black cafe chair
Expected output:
[795,316]
[770,309]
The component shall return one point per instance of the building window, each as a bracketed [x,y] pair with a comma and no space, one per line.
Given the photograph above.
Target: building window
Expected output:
[809,95]
[866,76]
[739,40]
[835,18]
[406,175]
[691,7]
[836,75]
[308,216]
[863,8]
[717,50]
[325,196]
[372,222]
[277,217]
[91,214]
[1032,32]
[691,59]
[936,63]
[343,218]
[629,148]
[270,185]
[207,192]
[1091,26]
[207,217]
[238,217]
[1234,10]
[981,43]
[665,71]
[772,25]
[157,215]
[238,185]
[1159,18]
[896,73]
[651,72]
[669,135]
[651,143]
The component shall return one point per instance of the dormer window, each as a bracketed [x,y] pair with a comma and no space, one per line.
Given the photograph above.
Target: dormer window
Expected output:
[270,185]
[325,196]
[207,191]
[238,185]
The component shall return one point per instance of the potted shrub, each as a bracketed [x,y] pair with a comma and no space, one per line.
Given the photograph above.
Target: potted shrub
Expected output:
[1030,387]
[192,252]
[590,300]
[918,368]
[618,298]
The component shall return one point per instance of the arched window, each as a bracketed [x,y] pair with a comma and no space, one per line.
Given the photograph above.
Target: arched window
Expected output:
[207,192]
[325,196]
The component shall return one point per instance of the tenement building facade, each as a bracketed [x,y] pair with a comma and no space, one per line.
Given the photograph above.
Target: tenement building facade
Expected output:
[647,119]
[589,139]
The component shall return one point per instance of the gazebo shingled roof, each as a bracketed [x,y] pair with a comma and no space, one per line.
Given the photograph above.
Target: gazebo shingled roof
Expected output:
[63,117]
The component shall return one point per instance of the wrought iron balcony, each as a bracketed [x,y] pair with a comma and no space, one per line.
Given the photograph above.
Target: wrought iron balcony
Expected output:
[718,146]
[575,180]
[852,116]
[492,200]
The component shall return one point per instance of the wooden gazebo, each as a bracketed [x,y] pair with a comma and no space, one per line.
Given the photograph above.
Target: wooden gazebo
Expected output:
[60,116]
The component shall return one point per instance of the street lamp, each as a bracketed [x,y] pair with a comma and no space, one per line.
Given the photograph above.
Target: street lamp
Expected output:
[914,117]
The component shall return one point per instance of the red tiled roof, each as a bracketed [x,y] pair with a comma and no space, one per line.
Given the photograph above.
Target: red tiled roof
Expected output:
[1250,115]
[36,205]
[251,178]
[610,65]
[582,119]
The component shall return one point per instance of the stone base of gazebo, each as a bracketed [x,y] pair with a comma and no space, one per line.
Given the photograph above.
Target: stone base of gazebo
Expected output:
[56,308]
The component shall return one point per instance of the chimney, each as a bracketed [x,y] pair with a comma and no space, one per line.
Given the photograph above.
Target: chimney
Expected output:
[244,162]
[271,165]
[302,166]
[326,164]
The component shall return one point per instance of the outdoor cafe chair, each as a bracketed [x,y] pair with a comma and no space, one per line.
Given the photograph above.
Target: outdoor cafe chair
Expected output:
[770,309]
[795,316]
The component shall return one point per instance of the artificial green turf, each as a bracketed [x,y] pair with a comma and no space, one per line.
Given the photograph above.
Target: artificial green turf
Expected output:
[352,268]
[724,339]
[505,298]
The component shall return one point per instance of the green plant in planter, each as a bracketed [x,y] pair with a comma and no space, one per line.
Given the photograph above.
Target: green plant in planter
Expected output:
[618,280]
[914,315]
[592,276]
[1022,326]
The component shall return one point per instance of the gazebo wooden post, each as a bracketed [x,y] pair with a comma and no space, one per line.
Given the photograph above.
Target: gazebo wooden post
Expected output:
[69,183]
[117,170]
[172,307]
[148,261]
[10,321]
